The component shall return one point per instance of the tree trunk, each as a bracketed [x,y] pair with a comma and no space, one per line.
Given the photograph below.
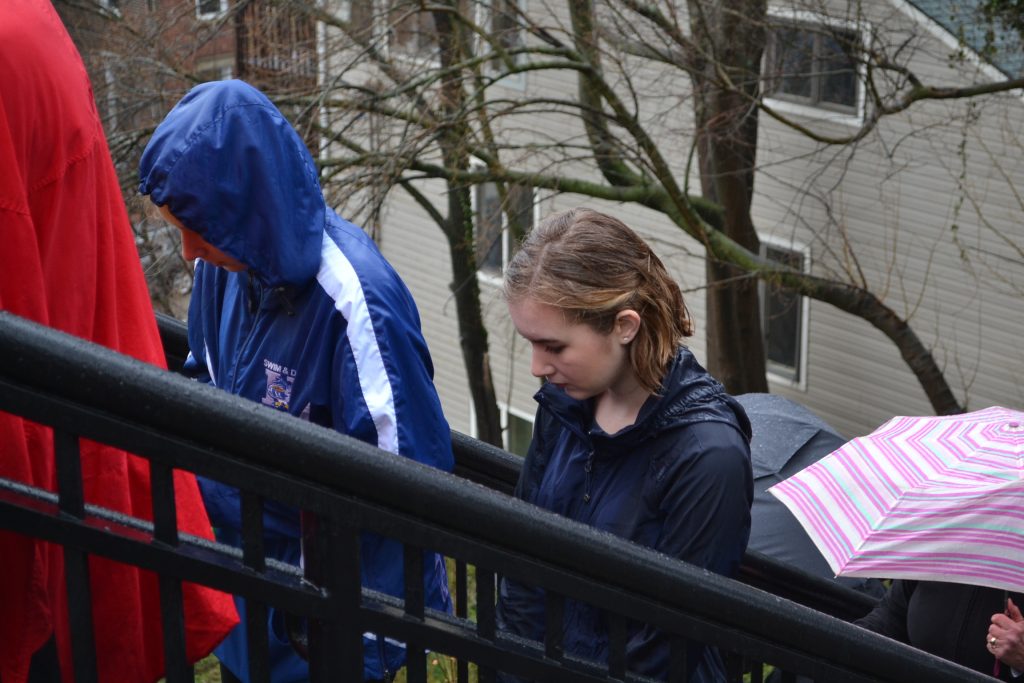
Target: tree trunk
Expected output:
[472,332]
[915,354]
[459,231]
[732,31]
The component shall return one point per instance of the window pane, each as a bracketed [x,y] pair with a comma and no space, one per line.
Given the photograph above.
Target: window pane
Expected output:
[783,318]
[208,6]
[359,16]
[520,432]
[781,327]
[213,73]
[107,99]
[838,71]
[488,229]
[505,23]
[522,211]
[412,32]
[794,59]
[816,64]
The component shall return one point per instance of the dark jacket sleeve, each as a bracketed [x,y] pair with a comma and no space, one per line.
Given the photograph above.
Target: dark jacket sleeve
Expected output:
[889,617]
[706,503]
[705,499]
[520,609]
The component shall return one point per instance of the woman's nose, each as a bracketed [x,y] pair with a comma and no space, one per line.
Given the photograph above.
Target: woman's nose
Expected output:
[539,364]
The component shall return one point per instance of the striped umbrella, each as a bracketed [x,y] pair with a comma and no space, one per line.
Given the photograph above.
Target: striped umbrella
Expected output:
[931,498]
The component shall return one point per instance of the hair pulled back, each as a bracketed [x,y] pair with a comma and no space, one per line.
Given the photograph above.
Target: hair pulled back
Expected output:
[592,266]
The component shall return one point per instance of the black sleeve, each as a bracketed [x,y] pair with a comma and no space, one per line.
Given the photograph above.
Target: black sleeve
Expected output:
[520,608]
[706,522]
[889,617]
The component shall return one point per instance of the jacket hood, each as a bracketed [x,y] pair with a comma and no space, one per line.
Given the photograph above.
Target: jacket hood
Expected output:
[688,394]
[231,168]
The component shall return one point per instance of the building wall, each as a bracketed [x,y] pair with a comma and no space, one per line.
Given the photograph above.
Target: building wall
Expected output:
[929,205]
[419,251]
[895,196]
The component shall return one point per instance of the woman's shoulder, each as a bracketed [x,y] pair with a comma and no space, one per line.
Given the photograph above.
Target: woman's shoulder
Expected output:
[705,411]
[703,441]
[706,452]
[699,459]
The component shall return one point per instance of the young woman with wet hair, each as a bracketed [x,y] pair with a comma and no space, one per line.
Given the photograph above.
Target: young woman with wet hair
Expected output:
[632,435]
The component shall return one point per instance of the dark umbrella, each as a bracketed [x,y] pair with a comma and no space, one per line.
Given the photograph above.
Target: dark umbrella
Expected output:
[787,437]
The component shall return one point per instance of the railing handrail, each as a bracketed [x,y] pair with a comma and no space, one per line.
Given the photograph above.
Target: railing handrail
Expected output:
[70,369]
[498,469]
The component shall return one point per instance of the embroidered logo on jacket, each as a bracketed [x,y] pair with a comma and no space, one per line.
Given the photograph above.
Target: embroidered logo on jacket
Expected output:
[279,384]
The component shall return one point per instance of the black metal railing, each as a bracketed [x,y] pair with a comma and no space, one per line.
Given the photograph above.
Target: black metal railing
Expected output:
[348,487]
[497,469]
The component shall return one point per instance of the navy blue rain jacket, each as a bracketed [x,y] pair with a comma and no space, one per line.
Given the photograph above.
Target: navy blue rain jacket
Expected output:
[320,325]
[678,480]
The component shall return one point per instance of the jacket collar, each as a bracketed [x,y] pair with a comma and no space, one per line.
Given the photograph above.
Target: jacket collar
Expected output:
[688,394]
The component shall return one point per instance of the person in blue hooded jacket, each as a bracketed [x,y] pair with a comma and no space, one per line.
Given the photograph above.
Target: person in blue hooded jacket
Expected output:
[295,308]
[632,435]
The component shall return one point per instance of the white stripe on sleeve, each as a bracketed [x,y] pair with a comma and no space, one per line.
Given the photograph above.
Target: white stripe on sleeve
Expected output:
[339,280]
[209,365]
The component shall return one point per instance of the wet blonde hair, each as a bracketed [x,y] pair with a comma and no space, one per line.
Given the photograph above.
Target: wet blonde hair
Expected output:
[592,266]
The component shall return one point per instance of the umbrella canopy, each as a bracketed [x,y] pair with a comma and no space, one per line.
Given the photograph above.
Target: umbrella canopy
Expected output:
[931,498]
[787,437]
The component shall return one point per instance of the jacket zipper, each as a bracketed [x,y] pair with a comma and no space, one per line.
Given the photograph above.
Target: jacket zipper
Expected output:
[254,302]
[588,468]
[385,673]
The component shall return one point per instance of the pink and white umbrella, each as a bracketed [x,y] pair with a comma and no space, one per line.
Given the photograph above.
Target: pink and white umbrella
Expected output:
[931,498]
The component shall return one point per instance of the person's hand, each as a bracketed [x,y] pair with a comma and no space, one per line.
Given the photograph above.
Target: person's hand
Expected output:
[1005,638]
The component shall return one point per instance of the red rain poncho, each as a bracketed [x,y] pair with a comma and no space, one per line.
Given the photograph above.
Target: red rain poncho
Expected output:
[69,261]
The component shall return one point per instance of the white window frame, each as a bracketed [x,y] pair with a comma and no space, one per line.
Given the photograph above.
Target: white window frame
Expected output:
[504,410]
[776,375]
[382,8]
[485,18]
[111,6]
[343,10]
[506,246]
[796,17]
[110,96]
[207,16]
[225,67]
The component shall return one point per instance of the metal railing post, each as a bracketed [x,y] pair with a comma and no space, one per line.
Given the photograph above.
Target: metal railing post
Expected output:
[330,554]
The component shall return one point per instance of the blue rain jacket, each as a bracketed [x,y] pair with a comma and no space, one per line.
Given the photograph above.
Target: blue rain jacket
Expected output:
[678,480]
[320,326]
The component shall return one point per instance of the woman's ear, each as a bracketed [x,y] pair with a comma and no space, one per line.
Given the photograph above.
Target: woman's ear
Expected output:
[627,324]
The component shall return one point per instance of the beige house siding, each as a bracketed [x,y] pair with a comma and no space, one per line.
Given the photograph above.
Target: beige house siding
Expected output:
[418,250]
[896,197]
